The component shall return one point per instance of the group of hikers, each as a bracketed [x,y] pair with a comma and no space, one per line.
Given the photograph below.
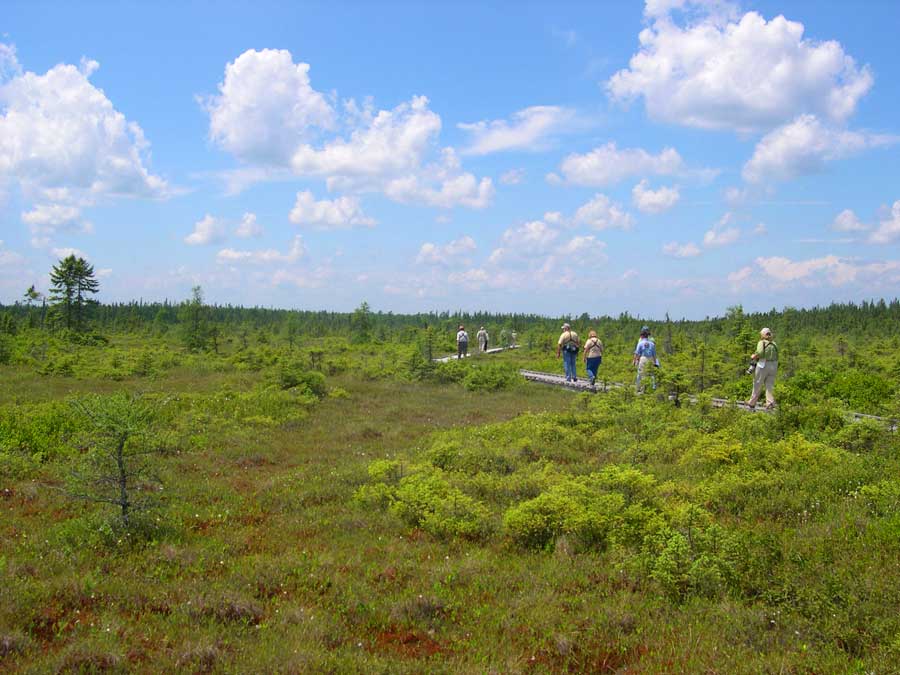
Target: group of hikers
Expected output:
[462,340]
[763,361]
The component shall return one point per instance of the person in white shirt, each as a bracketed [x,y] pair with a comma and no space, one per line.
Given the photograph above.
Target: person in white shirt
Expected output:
[462,342]
[482,337]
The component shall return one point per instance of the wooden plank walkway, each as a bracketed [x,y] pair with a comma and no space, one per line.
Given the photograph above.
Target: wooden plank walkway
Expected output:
[583,385]
[474,352]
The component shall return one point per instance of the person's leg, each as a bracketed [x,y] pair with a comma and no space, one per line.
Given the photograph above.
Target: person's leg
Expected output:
[570,365]
[770,386]
[567,365]
[758,380]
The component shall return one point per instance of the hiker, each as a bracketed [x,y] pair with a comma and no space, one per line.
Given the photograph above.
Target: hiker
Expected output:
[462,342]
[482,337]
[513,337]
[645,359]
[593,355]
[766,359]
[568,346]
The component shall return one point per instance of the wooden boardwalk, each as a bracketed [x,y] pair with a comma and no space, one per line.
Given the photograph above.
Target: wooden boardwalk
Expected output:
[474,352]
[583,385]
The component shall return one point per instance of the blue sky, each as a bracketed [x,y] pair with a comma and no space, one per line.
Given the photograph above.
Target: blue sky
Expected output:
[676,156]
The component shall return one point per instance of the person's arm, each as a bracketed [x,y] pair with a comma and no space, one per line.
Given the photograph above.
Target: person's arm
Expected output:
[760,350]
[559,345]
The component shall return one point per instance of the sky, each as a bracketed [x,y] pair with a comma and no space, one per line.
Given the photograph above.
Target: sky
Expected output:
[673,156]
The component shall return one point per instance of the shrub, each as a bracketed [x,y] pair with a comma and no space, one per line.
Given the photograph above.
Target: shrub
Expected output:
[491,377]
[570,508]
[429,501]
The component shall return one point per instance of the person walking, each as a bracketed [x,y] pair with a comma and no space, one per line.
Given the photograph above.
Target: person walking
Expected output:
[482,337]
[462,342]
[766,359]
[593,355]
[645,359]
[569,346]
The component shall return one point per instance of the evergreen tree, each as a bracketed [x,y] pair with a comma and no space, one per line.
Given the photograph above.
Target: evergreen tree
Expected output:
[71,280]
[194,317]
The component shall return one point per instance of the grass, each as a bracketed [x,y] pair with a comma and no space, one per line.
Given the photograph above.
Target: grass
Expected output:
[264,563]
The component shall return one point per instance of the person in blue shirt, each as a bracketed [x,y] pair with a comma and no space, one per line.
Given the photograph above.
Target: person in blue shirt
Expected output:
[645,360]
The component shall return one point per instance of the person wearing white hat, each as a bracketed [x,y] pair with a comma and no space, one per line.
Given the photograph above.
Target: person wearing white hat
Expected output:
[569,346]
[766,359]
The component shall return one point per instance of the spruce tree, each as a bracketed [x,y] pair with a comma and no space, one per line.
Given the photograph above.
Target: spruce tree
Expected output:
[71,281]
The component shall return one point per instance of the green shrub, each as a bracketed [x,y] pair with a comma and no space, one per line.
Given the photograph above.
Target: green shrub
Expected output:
[490,377]
[429,501]
[570,508]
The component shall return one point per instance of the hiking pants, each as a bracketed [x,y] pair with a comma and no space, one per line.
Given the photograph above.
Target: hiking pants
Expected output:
[764,378]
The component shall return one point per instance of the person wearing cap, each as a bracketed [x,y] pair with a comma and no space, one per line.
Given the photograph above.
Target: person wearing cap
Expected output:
[482,337]
[645,359]
[593,355]
[569,346]
[462,342]
[766,359]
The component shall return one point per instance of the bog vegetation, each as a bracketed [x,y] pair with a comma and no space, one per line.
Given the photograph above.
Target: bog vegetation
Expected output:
[224,489]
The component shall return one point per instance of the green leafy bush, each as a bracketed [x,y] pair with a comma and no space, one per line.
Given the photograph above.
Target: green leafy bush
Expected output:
[430,501]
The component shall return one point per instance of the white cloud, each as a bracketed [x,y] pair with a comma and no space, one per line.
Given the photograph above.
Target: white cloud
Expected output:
[804,146]
[270,255]
[315,278]
[66,251]
[741,275]
[64,143]
[248,227]
[745,75]
[390,142]
[583,249]
[295,129]
[341,213]
[760,229]
[676,250]
[602,214]
[265,107]
[889,228]
[607,164]
[512,177]
[654,201]
[8,257]
[528,129]
[51,215]
[461,190]
[721,234]
[104,273]
[846,221]
[207,230]
[450,253]
[534,236]
[785,270]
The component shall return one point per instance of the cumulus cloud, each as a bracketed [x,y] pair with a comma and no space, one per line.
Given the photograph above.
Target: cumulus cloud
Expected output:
[527,129]
[804,146]
[722,233]
[453,252]
[607,164]
[65,251]
[8,257]
[358,148]
[512,177]
[461,190]
[785,270]
[676,250]
[654,201]
[265,106]
[63,142]
[888,229]
[602,214]
[740,275]
[207,230]
[747,74]
[270,255]
[336,214]
[846,221]
[248,227]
